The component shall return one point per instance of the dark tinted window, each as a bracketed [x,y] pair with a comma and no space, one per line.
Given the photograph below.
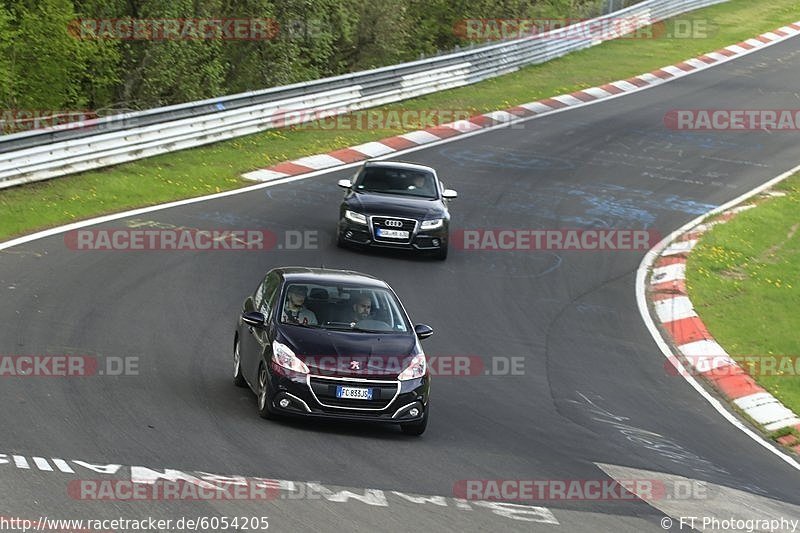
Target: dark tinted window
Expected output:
[404,181]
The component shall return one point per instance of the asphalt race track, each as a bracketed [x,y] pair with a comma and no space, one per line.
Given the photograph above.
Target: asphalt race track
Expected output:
[594,400]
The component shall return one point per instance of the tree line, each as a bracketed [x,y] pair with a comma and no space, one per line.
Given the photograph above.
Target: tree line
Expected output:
[46,64]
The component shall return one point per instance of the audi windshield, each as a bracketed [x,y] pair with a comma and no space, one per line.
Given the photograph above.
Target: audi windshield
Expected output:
[393,180]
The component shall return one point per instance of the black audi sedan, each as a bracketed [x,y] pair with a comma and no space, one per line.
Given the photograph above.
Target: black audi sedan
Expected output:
[395,205]
[333,344]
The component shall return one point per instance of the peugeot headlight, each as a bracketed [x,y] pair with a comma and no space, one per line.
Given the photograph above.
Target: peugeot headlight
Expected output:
[283,356]
[352,216]
[432,224]
[415,369]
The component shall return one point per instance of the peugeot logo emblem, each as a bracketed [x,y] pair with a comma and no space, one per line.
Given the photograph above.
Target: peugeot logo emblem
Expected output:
[355,365]
[394,223]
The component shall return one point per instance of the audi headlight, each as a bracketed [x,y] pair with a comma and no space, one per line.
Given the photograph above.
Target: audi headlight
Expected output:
[283,356]
[352,216]
[415,369]
[432,224]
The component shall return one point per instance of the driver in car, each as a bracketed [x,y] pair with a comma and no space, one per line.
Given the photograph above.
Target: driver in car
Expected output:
[294,309]
[362,308]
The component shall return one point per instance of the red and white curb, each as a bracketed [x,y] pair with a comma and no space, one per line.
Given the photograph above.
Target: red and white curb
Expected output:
[674,311]
[518,113]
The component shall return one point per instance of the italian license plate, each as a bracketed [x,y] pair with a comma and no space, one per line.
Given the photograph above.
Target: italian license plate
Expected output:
[353,393]
[392,233]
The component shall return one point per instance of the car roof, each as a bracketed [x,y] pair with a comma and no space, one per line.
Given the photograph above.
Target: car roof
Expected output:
[399,164]
[328,275]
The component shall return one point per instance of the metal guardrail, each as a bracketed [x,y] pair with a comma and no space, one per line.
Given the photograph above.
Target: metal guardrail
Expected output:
[44,154]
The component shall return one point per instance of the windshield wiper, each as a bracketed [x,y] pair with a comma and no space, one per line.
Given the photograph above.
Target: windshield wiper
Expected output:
[337,325]
[355,328]
[348,326]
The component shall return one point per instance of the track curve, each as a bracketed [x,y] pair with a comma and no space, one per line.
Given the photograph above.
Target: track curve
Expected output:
[594,389]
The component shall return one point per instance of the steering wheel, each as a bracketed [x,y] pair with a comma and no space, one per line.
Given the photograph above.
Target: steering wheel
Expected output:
[373,324]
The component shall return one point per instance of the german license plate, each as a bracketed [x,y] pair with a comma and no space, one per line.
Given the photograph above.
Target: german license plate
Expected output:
[392,233]
[353,393]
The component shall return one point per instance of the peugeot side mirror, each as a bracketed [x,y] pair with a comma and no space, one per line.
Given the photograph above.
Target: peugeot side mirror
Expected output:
[423,331]
[254,318]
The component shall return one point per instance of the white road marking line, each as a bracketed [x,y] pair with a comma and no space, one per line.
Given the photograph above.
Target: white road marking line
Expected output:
[263,175]
[672,309]
[568,99]
[680,247]
[420,137]
[695,63]
[675,71]
[674,272]
[685,498]
[318,162]
[538,107]
[291,490]
[597,92]
[625,85]
[373,149]
[501,116]
[735,48]
[641,300]
[42,464]
[641,273]
[650,78]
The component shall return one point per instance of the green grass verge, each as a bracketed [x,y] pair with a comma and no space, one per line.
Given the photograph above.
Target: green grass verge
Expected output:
[744,281]
[218,167]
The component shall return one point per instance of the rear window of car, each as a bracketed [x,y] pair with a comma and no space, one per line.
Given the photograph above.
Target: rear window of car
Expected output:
[402,181]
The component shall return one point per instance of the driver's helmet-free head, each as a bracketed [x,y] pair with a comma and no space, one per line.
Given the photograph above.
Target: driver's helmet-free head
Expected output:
[299,290]
[362,305]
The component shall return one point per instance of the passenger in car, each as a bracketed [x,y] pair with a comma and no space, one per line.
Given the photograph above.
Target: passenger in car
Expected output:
[294,309]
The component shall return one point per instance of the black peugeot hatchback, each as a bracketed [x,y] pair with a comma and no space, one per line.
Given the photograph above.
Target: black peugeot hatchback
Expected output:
[392,204]
[333,344]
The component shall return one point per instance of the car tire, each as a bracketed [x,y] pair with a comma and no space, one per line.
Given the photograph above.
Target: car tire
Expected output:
[417,428]
[238,378]
[339,241]
[264,393]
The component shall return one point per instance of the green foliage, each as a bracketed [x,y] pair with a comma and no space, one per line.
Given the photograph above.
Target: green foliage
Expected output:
[47,62]
[7,36]
[218,166]
[45,65]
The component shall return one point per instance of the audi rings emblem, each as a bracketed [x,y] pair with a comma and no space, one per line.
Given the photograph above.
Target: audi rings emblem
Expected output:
[393,223]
